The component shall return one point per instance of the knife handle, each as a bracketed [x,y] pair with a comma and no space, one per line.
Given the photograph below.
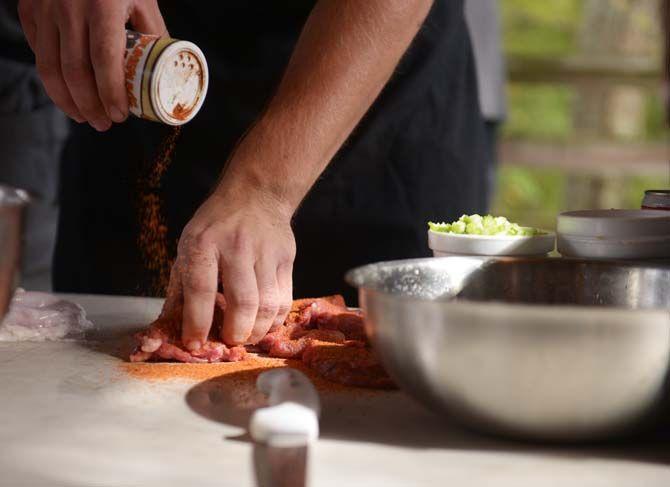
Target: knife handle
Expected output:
[291,419]
[288,385]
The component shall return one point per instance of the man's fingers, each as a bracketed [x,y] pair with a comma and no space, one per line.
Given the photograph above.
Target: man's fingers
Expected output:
[146,18]
[285,282]
[107,40]
[78,71]
[268,299]
[174,294]
[241,293]
[199,272]
[48,62]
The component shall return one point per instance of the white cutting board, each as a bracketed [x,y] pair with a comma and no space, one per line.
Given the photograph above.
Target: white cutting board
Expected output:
[68,417]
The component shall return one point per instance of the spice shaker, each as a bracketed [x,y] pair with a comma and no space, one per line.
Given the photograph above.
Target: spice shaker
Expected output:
[166,79]
[656,199]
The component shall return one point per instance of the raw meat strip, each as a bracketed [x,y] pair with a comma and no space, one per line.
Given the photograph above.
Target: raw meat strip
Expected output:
[162,340]
[351,363]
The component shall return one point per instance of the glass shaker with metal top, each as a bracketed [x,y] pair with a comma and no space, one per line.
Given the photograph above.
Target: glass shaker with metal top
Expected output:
[656,199]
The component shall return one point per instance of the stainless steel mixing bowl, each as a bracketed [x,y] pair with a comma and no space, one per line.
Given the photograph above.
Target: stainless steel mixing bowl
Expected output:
[12,205]
[555,349]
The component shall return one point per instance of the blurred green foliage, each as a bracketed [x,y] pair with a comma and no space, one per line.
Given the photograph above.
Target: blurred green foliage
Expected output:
[540,28]
[535,196]
[636,185]
[531,187]
[656,127]
[544,113]
[539,111]
[533,28]
[530,196]
[536,28]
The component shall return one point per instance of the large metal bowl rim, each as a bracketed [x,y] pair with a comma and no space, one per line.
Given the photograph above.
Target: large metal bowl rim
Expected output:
[523,309]
[354,278]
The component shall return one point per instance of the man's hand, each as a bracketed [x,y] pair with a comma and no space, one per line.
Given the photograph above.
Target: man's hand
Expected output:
[79,47]
[245,239]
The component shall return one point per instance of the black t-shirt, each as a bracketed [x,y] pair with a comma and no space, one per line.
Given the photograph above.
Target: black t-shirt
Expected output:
[13,45]
[417,154]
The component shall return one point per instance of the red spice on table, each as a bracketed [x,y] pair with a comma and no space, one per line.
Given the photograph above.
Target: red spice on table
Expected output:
[243,372]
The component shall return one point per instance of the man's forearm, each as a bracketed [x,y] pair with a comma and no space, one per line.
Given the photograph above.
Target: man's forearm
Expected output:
[346,53]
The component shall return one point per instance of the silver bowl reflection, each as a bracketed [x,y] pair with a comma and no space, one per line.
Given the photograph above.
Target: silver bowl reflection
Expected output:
[554,349]
[12,205]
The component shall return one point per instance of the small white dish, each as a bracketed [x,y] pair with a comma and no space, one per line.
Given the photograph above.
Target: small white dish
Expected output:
[614,234]
[443,244]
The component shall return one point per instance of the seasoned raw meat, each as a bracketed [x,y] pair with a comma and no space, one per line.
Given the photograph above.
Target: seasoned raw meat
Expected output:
[328,336]
[330,319]
[351,363]
[162,340]
[350,322]
[285,348]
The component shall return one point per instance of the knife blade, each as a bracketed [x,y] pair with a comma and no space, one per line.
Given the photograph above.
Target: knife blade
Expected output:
[284,430]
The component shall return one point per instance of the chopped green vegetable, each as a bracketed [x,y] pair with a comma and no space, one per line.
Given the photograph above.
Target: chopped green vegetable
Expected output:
[440,227]
[484,225]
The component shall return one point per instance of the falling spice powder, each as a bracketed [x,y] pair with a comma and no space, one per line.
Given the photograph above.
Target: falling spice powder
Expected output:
[153,235]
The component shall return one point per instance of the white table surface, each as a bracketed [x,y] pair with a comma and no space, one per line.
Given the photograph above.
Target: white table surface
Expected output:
[68,417]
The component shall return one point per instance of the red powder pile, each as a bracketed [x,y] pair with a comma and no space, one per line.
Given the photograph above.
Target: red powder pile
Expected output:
[243,372]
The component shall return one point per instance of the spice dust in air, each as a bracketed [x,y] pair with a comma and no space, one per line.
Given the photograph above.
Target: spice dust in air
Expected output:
[153,232]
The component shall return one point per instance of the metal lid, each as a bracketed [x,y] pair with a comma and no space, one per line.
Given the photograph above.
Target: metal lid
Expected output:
[181,82]
[614,234]
[617,224]
[656,199]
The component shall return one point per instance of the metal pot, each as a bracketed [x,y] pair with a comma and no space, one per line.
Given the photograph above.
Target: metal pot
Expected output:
[552,349]
[12,206]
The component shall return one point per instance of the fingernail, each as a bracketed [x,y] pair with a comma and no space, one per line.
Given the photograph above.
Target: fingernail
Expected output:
[241,339]
[78,119]
[116,115]
[101,125]
[193,345]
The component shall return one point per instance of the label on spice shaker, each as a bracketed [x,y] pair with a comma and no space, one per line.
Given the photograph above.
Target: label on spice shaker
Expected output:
[166,79]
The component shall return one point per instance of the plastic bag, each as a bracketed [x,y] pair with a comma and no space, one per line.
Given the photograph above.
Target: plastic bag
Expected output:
[37,316]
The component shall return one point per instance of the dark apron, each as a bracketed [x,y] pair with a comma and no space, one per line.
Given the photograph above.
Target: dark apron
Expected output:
[417,155]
